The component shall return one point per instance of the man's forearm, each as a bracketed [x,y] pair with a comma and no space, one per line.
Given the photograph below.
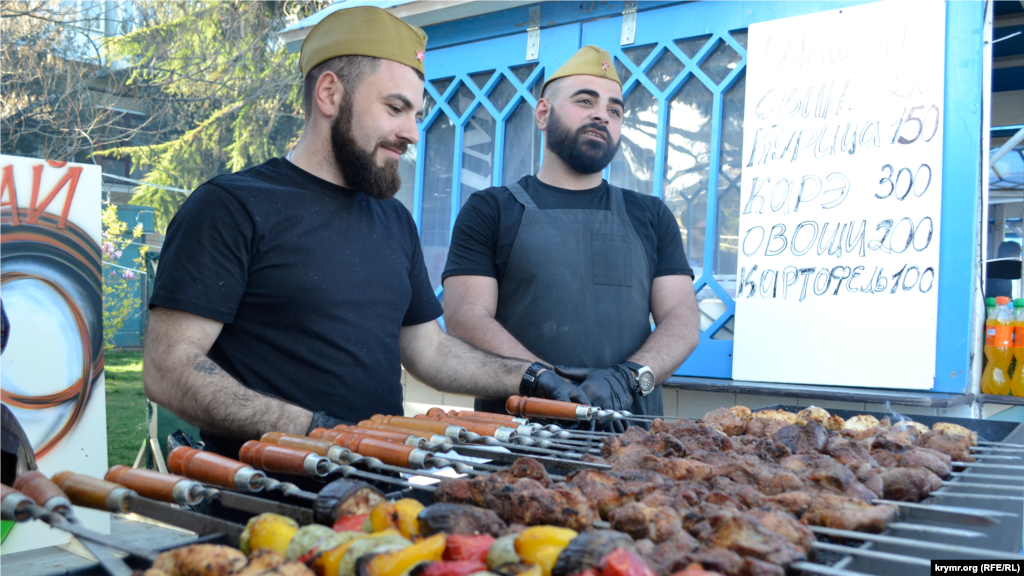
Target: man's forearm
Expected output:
[486,333]
[206,396]
[668,346]
[450,365]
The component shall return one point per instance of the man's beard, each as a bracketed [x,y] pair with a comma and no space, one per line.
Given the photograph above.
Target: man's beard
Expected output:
[581,153]
[359,167]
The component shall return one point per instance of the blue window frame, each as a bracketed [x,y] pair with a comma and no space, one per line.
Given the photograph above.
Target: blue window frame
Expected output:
[684,89]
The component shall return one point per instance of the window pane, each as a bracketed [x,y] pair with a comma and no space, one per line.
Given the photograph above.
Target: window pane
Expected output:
[407,172]
[720,62]
[665,69]
[462,99]
[437,196]
[633,166]
[477,154]
[502,94]
[687,161]
[727,233]
[522,145]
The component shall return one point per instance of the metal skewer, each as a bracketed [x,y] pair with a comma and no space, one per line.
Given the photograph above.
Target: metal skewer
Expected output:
[982,486]
[824,570]
[911,543]
[872,554]
[968,516]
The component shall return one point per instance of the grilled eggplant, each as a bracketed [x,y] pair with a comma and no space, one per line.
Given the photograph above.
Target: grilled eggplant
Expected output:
[459,519]
[587,549]
[345,498]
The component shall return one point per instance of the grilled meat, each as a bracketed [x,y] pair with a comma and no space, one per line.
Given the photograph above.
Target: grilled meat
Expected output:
[527,502]
[807,439]
[642,521]
[956,447]
[915,457]
[694,435]
[847,450]
[835,511]
[261,561]
[726,421]
[200,560]
[787,526]
[909,484]
[765,427]
[744,534]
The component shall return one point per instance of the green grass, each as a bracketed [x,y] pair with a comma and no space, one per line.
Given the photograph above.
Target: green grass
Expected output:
[126,406]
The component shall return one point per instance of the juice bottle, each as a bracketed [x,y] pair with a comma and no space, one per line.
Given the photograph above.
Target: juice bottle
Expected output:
[1017,379]
[998,349]
[990,318]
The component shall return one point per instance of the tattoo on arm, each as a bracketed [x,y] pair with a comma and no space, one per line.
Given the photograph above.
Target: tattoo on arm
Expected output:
[214,401]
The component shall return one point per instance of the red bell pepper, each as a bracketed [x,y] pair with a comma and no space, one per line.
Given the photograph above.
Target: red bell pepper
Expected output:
[622,562]
[465,547]
[350,523]
[454,568]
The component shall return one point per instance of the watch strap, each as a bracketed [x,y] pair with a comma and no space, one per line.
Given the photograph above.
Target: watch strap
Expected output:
[528,385]
[633,366]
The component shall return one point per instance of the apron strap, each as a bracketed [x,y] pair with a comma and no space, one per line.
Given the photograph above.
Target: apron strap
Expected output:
[618,205]
[521,195]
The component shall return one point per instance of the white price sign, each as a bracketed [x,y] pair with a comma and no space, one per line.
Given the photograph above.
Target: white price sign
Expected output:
[841,197]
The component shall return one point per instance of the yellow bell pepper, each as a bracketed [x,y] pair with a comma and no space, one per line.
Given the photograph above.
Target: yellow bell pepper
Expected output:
[271,532]
[408,511]
[395,563]
[326,564]
[384,516]
[541,545]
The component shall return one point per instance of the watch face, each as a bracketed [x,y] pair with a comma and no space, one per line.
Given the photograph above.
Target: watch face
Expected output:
[646,381]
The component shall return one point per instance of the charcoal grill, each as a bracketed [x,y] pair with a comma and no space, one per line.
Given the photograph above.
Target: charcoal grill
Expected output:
[1002,536]
[934,530]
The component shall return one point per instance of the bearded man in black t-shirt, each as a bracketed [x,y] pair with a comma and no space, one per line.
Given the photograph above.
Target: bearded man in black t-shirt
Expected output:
[564,269]
[289,295]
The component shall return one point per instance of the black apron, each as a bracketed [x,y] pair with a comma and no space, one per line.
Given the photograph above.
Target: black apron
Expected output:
[577,291]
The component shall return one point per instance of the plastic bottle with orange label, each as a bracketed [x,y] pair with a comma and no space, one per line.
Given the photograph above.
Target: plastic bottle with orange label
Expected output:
[1017,378]
[998,348]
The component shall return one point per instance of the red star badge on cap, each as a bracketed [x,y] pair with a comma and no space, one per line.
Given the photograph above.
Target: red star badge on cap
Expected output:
[419,55]
[604,65]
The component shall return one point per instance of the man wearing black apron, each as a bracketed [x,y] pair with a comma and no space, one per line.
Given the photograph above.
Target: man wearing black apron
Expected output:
[564,269]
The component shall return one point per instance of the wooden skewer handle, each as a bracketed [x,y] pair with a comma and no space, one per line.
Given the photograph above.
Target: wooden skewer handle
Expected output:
[154,485]
[92,492]
[282,459]
[390,436]
[508,419]
[205,467]
[481,428]
[43,491]
[314,444]
[541,408]
[417,424]
[386,452]
[14,505]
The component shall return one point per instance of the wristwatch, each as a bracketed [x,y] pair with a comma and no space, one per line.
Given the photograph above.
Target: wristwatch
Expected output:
[528,385]
[643,378]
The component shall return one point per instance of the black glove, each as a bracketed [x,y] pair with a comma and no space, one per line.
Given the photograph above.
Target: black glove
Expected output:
[609,388]
[322,420]
[552,387]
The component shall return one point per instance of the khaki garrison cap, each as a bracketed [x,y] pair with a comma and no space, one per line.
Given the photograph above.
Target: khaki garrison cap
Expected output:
[589,60]
[363,31]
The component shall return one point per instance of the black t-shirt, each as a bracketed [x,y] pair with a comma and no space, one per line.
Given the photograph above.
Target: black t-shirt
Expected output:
[312,281]
[488,224]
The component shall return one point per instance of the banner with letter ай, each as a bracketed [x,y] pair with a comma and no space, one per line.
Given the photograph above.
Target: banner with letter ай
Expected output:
[841,198]
[52,368]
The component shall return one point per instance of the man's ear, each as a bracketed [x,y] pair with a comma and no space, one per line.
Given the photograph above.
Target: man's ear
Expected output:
[542,114]
[328,94]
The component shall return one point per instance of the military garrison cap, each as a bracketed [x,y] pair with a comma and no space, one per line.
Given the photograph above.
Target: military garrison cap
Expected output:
[364,31]
[589,60]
